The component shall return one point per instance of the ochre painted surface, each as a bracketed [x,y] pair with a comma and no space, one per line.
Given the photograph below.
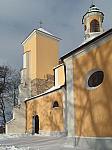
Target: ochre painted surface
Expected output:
[43,55]
[31,46]
[59,75]
[93,107]
[47,55]
[50,119]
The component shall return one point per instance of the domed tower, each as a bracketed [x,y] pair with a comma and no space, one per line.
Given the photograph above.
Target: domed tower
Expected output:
[93,20]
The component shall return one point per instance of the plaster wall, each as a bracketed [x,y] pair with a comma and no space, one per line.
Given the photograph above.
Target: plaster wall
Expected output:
[31,46]
[59,75]
[69,101]
[43,55]
[93,107]
[50,119]
[47,55]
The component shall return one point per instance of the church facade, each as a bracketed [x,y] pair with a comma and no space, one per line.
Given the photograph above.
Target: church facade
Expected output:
[72,96]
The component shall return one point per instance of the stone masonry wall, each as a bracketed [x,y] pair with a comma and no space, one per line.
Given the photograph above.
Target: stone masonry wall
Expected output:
[39,86]
[18,124]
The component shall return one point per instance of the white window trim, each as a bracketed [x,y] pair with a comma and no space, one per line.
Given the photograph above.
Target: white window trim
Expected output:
[87,78]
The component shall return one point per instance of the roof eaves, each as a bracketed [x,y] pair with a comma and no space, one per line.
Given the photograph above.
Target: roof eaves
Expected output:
[29,35]
[90,13]
[55,37]
[78,49]
[42,94]
[37,31]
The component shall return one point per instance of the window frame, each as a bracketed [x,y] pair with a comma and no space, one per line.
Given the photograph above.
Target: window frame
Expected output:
[53,104]
[94,26]
[89,75]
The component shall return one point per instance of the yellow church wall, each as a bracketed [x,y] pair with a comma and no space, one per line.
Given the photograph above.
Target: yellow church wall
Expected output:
[47,55]
[59,72]
[30,45]
[50,119]
[93,107]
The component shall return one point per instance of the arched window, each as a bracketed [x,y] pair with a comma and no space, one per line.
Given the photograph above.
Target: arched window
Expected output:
[94,26]
[55,104]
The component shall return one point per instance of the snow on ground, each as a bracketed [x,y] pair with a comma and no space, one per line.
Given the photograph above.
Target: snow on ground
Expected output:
[7,136]
[13,148]
[32,142]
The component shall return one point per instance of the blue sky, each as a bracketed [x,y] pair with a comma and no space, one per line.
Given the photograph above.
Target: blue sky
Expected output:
[60,17]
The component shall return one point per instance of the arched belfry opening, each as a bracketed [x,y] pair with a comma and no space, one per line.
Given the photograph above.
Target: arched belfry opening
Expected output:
[35,124]
[94,26]
[93,22]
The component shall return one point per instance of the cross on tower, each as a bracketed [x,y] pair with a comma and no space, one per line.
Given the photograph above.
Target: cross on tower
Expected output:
[41,23]
[92,2]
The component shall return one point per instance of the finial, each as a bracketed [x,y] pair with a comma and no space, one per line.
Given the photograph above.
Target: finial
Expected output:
[92,3]
[41,23]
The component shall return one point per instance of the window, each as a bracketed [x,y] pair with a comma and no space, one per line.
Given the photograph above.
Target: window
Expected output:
[95,79]
[94,26]
[26,57]
[55,104]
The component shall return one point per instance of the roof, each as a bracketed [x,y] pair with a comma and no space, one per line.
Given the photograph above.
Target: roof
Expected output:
[52,89]
[42,31]
[58,66]
[91,9]
[78,49]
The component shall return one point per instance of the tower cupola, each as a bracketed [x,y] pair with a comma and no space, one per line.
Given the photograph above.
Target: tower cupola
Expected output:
[93,20]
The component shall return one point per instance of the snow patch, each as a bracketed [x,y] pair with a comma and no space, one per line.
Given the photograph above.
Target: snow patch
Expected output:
[8,136]
[13,148]
[42,30]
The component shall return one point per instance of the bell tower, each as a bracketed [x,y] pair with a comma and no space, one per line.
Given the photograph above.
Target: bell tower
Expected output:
[93,20]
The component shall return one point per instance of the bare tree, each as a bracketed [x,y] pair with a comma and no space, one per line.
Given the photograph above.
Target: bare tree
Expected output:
[9,82]
[13,88]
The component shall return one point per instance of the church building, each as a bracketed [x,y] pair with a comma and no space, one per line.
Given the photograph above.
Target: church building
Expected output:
[70,96]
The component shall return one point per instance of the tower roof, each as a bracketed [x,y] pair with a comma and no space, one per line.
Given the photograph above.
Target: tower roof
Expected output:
[41,31]
[44,31]
[92,9]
